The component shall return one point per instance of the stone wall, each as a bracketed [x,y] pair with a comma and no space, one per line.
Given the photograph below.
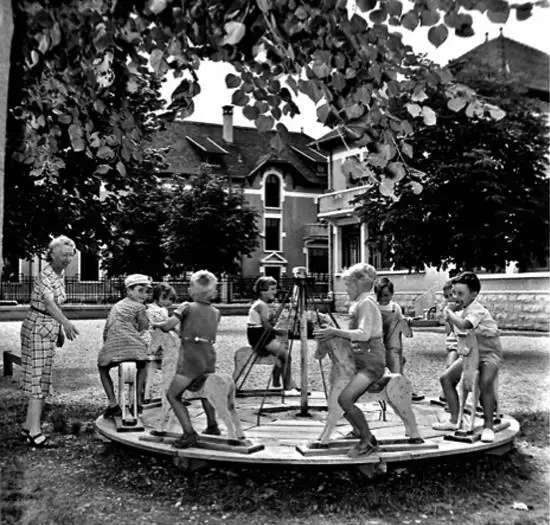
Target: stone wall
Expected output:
[517,301]
[512,310]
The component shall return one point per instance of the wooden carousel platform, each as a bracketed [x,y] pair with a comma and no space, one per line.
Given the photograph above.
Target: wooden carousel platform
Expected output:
[281,435]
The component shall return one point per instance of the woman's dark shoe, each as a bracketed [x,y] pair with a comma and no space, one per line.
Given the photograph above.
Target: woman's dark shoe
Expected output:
[38,441]
[186,440]
[112,412]
[212,430]
[417,397]
[364,448]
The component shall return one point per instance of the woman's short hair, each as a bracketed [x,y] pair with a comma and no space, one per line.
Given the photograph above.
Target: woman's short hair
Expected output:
[381,284]
[203,285]
[164,291]
[59,242]
[361,272]
[448,285]
[470,279]
[262,284]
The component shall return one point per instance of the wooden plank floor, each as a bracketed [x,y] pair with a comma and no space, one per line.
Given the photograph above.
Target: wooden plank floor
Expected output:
[282,437]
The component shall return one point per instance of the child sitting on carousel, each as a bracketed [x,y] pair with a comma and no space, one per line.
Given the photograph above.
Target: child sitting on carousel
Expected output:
[198,327]
[123,338]
[471,315]
[262,335]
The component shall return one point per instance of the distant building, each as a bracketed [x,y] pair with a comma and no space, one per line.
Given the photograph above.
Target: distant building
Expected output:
[282,186]
[530,66]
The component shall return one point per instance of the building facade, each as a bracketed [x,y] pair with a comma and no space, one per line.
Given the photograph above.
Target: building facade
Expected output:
[281,185]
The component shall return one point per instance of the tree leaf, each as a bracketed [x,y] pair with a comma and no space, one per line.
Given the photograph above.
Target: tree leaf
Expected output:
[430,118]
[438,34]
[239,98]
[121,168]
[410,20]
[499,17]
[407,150]
[264,123]
[414,109]
[234,32]
[415,187]
[232,81]
[366,5]
[394,7]
[456,104]
[397,171]
[251,112]
[156,6]
[524,11]
[75,135]
[264,5]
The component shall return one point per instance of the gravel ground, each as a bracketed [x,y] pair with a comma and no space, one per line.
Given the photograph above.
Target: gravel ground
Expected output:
[526,362]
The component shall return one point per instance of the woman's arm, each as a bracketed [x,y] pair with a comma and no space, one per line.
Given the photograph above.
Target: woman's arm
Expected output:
[53,309]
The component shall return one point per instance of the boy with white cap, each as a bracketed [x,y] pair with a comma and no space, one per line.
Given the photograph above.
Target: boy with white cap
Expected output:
[122,338]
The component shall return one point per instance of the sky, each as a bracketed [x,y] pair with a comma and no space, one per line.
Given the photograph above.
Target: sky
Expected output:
[208,104]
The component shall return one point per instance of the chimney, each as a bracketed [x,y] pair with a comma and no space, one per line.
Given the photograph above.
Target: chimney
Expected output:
[228,124]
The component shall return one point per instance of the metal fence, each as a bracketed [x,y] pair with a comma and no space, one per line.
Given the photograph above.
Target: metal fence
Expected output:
[109,291]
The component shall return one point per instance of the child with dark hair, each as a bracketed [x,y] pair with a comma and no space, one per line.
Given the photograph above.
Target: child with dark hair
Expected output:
[164,296]
[471,315]
[262,335]
[395,325]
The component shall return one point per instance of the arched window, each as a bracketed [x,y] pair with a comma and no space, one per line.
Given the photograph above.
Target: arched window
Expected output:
[272,192]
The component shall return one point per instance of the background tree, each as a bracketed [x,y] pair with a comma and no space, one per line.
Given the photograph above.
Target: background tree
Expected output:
[136,218]
[485,198]
[209,226]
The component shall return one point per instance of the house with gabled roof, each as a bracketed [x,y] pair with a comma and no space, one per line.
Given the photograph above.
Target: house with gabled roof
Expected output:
[282,186]
[530,66]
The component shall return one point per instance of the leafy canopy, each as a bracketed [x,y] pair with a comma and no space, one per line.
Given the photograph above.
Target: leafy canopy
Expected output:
[86,61]
[485,198]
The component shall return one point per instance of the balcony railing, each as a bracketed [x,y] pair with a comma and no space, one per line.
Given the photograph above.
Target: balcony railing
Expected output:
[316,231]
[339,202]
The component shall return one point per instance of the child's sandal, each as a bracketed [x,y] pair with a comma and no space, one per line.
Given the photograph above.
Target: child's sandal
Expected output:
[38,441]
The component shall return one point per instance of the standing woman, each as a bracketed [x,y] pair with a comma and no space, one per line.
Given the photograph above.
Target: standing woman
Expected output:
[44,328]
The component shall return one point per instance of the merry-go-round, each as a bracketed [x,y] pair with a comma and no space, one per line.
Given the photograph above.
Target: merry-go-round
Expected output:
[304,428]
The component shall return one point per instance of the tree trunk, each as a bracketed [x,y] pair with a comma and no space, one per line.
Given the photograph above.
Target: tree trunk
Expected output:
[6,33]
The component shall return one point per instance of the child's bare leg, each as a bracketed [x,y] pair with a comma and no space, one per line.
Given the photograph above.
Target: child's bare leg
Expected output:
[452,356]
[107,382]
[276,348]
[449,380]
[355,388]
[487,375]
[177,388]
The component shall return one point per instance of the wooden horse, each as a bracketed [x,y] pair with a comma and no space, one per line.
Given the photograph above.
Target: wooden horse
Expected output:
[469,380]
[128,398]
[393,388]
[218,389]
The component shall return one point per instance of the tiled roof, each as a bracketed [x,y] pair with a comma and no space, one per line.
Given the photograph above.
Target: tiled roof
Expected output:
[509,56]
[193,143]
